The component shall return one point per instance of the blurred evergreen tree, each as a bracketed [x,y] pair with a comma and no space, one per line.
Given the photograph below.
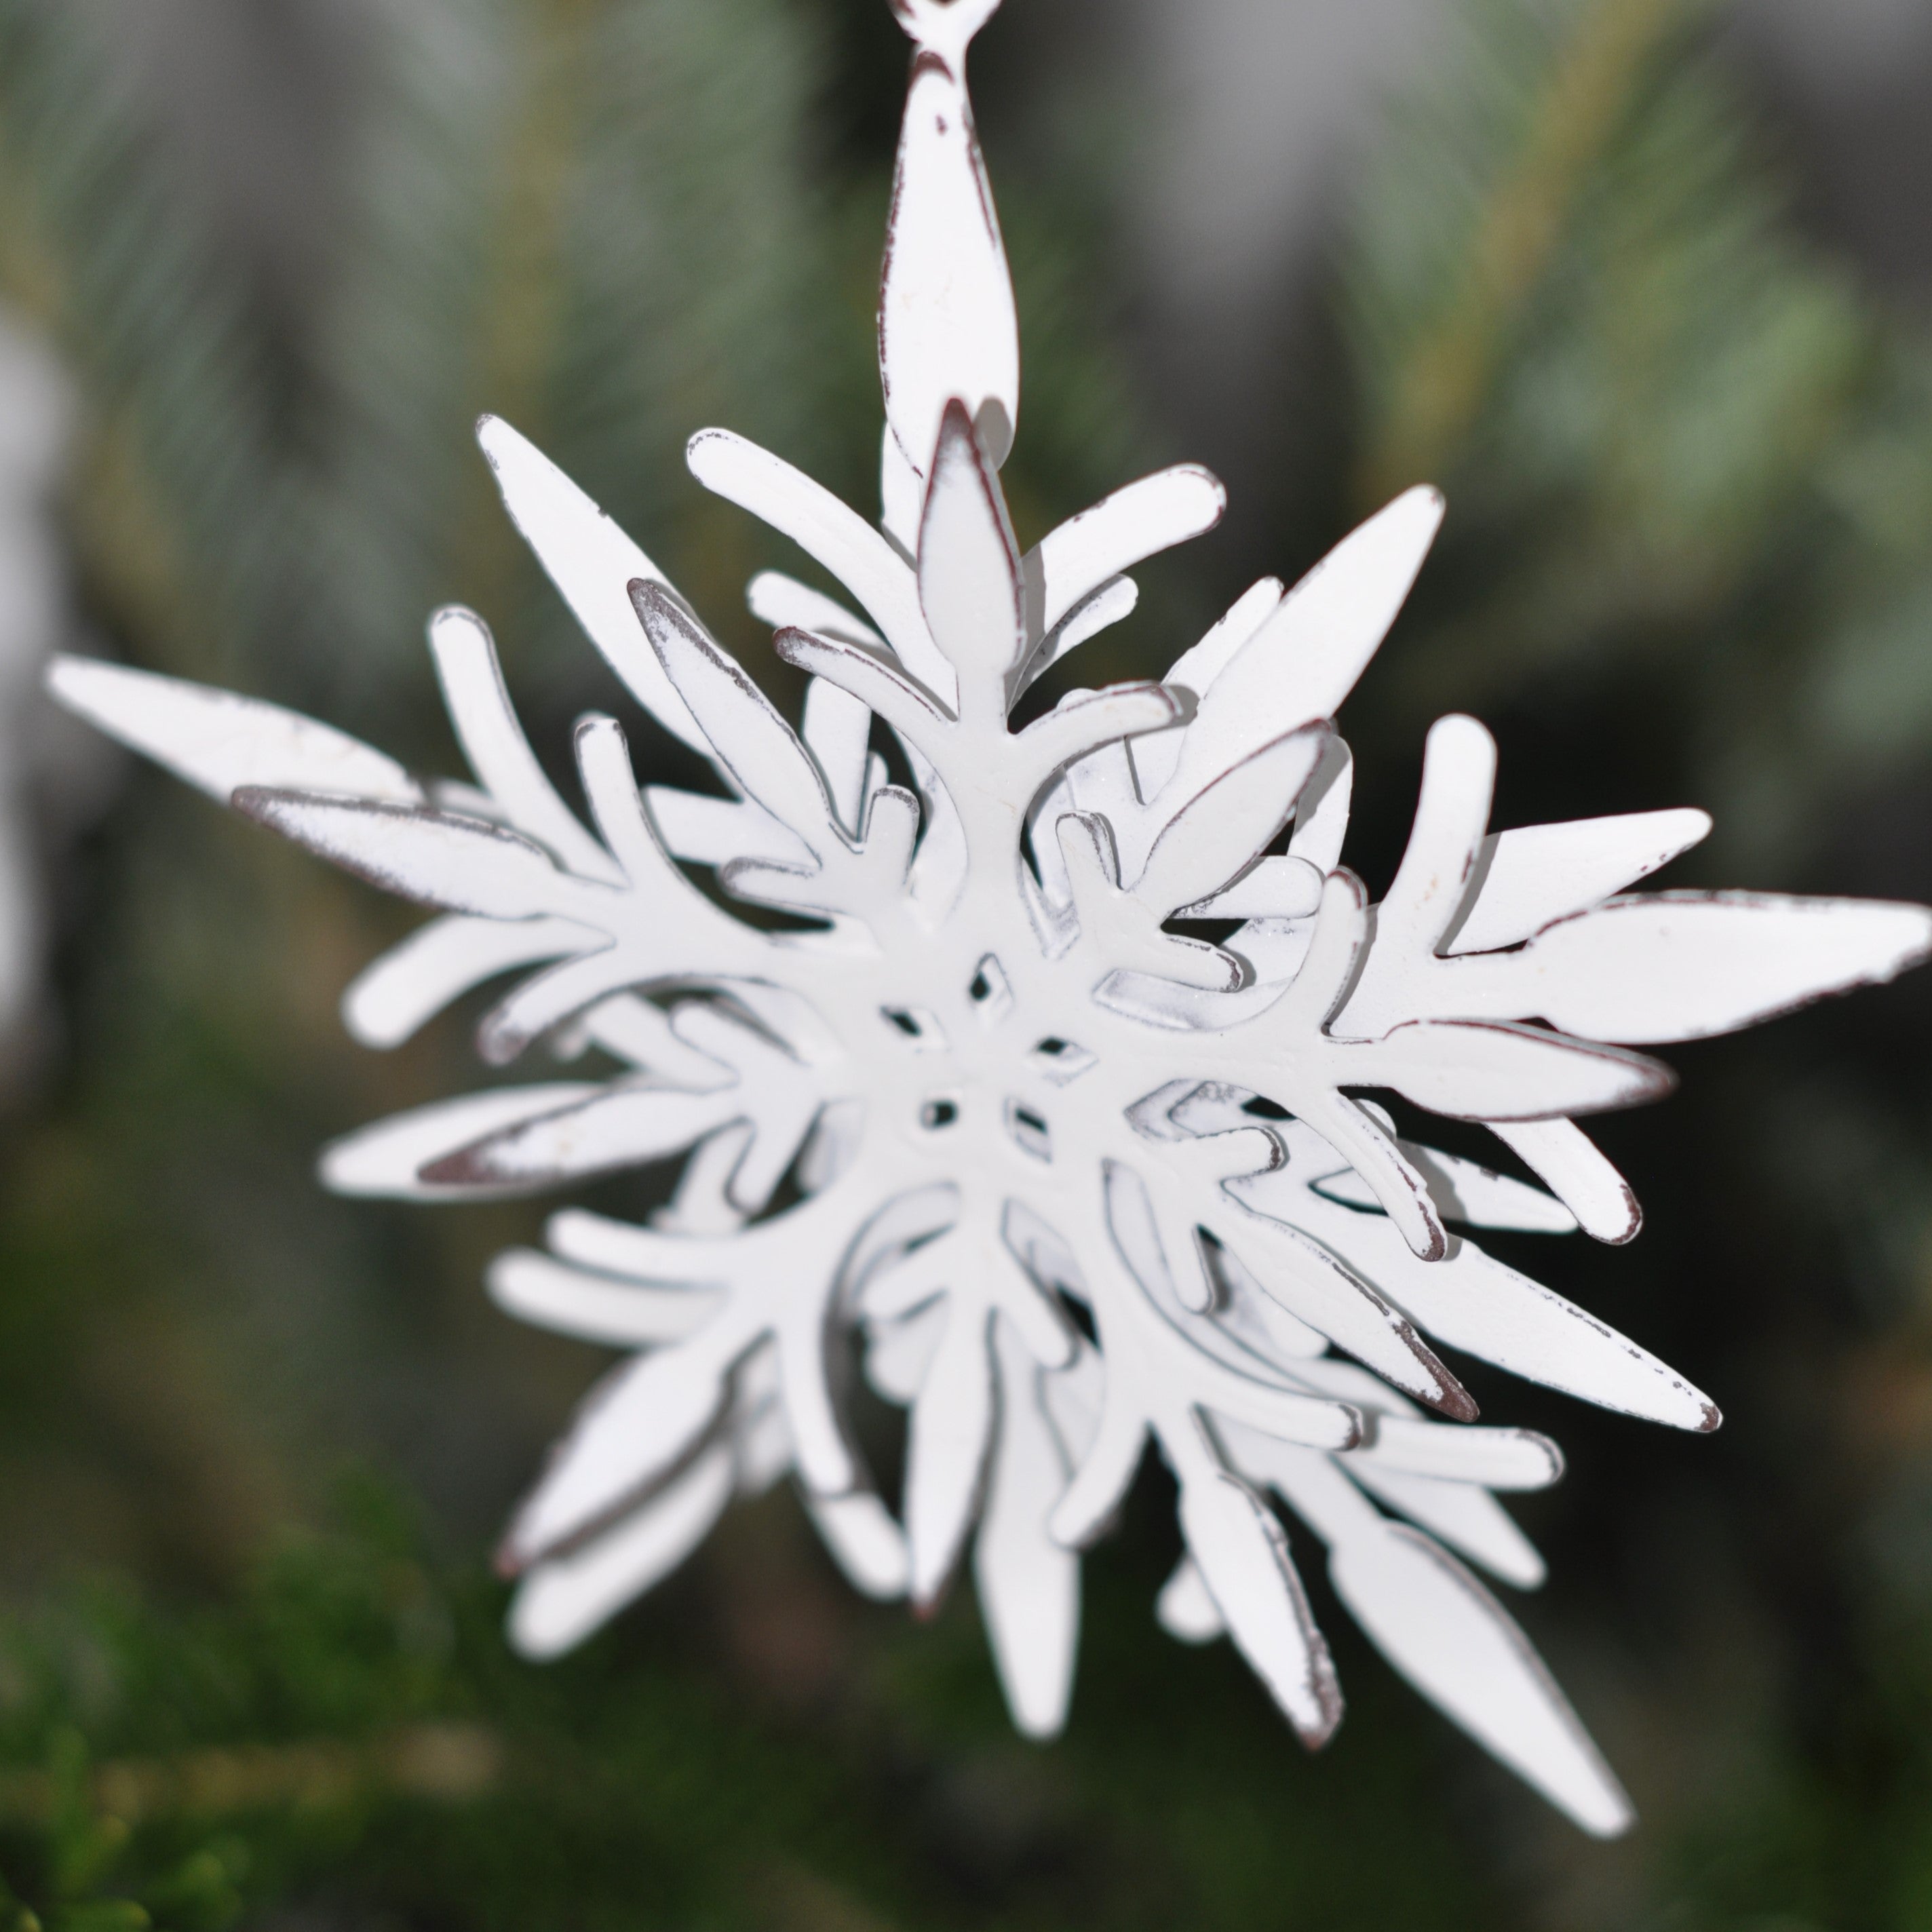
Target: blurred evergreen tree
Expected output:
[1685,451]
[1688,559]
[1690,466]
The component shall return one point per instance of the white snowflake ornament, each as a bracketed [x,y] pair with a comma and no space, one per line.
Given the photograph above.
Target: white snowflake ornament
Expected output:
[1073,1180]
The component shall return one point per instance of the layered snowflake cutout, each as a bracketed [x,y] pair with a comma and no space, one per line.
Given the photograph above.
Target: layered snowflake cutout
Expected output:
[986,1117]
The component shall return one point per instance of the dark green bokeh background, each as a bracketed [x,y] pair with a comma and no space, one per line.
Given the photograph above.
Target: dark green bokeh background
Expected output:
[254,1441]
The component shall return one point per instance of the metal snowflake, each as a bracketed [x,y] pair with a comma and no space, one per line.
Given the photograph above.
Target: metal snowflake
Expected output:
[1076,1181]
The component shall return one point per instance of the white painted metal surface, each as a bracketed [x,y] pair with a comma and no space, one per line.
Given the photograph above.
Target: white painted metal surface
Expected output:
[1080,1183]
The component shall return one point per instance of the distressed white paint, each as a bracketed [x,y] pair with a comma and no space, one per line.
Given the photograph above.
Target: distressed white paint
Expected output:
[999,1082]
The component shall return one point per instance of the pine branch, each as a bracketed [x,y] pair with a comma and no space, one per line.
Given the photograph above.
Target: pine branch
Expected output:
[444,1762]
[1673,432]
[1444,369]
[591,219]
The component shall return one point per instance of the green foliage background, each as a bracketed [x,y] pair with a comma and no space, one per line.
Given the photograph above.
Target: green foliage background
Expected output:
[253,1442]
